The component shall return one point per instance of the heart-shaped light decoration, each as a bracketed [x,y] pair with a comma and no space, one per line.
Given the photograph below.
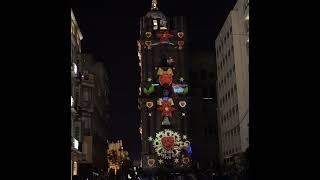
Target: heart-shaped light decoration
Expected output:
[180,34]
[185,160]
[151,162]
[148,43]
[182,103]
[148,34]
[168,142]
[149,104]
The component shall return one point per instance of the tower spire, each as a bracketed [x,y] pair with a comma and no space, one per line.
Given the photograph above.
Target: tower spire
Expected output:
[154,5]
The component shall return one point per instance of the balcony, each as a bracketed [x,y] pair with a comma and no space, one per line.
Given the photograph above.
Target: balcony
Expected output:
[88,80]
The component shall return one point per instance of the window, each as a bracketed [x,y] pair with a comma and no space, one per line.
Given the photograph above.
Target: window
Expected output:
[211,75]
[155,24]
[77,133]
[87,122]
[204,92]
[75,168]
[237,109]
[195,76]
[204,108]
[212,91]
[86,94]
[203,74]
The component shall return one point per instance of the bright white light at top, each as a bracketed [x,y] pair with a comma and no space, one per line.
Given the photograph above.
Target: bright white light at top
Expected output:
[72,101]
[75,143]
[75,68]
[247,17]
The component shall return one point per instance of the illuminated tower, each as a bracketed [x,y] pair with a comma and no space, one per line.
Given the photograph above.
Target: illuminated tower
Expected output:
[163,90]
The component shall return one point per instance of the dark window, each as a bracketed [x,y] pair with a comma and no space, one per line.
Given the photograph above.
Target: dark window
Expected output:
[212,91]
[77,133]
[203,75]
[204,108]
[210,131]
[195,76]
[205,92]
[211,75]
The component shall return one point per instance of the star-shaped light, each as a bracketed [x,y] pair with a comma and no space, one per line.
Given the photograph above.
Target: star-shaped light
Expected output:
[176,160]
[160,161]
[149,114]
[150,139]
[181,79]
[149,79]
[184,137]
[183,114]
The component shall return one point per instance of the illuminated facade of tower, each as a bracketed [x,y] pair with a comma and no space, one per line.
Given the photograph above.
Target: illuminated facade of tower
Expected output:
[163,100]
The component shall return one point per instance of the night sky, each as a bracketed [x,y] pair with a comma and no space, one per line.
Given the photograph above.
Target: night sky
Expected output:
[111,29]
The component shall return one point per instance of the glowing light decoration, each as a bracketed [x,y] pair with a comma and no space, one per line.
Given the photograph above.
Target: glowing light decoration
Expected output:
[148,44]
[165,99]
[170,60]
[149,90]
[166,108]
[149,104]
[180,44]
[182,104]
[165,121]
[75,68]
[176,160]
[160,161]
[151,162]
[165,77]
[180,88]
[180,34]
[185,160]
[168,144]
[164,36]
[148,34]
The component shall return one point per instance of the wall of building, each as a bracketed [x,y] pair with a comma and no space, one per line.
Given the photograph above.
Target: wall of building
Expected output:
[233,82]
[202,77]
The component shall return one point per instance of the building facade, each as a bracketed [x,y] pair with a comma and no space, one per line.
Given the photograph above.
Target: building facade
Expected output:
[95,114]
[232,57]
[163,100]
[90,110]
[76,123]
[202,77]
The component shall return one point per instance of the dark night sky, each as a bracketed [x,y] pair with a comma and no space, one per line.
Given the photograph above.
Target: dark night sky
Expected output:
[110,29]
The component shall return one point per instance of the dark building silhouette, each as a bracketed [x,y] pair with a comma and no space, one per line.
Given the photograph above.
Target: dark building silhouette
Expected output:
[202,76]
